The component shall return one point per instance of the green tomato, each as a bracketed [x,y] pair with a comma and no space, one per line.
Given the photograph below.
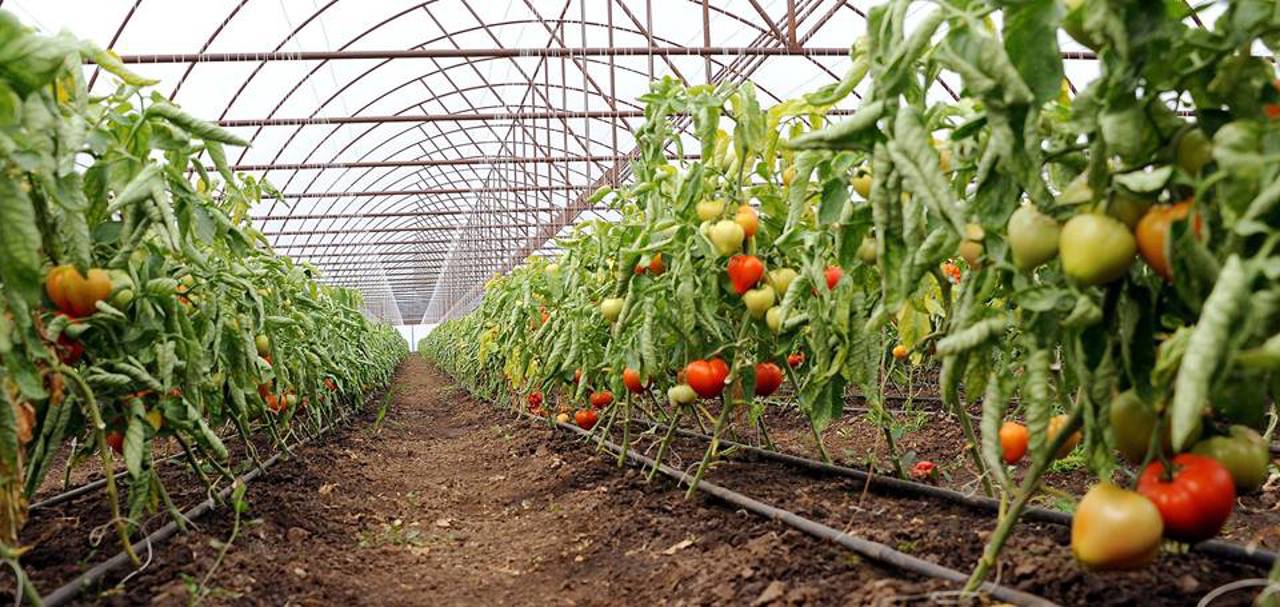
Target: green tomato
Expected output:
[1194,151]
[1242,399]
[1128,209]
[727,236]
[1132,422]
[759,300]
[1096,249]
[681,394]
[1033,237]
[263,344]
[773,318]
[611,308]
[868,251]
[862,184]
[781,280]
[1244,454]
[121,299]
[709,209]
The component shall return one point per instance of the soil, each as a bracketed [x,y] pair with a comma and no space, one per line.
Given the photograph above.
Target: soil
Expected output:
[855,440]
[451,502]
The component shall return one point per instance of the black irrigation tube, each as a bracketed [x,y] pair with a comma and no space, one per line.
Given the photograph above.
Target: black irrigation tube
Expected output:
[88,487]
[65,593]
[867,548]
[1215,548]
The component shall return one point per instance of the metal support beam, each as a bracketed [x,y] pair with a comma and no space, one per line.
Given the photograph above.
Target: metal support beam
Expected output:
[436,191]
[476,53]
[434,162]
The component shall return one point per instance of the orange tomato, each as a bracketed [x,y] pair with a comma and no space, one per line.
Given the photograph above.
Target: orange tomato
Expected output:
[75,294]
[1013,441]
[631,379]
[748,219]
[900,352]
[1153,235]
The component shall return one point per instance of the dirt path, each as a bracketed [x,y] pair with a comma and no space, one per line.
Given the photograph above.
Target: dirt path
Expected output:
[453,503]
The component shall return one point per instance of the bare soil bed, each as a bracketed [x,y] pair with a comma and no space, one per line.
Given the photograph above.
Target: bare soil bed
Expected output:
[451,502]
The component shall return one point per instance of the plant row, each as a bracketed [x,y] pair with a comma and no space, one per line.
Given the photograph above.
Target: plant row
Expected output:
[1104,259]
[139,307]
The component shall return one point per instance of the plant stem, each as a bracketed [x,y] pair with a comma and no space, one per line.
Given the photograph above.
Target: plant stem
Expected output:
[99,429]
[666,442]
[971,439]
[711,449]
[626,430]
[1030,484]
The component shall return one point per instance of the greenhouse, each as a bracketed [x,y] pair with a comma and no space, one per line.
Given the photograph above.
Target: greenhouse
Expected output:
[641,302]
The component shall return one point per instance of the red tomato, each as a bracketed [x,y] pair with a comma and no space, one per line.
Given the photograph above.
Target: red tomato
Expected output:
[69,350]
[1195,502]
[535,399]
[768,378]
[924,470]
[721,369]
[656,267]
[951,271]
[1013,441]
[704,379]
[744,272]
[1153,235]
[795,360]
[631,379]
[115,440]
[834,273]
[602,399]
[585,418]
[577,376]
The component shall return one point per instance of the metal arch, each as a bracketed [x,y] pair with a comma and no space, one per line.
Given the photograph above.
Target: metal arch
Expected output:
[573,209]
[382,178]
[115,38]
[728,68]
[207,43]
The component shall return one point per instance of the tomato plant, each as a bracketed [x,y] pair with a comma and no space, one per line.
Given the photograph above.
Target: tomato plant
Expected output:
[150,302]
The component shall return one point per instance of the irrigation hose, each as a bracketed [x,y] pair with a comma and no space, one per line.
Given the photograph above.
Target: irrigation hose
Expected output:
[65,593]
[1215,548]
[866,548]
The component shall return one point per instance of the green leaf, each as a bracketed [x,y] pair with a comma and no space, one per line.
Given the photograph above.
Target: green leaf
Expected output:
[835,194]
[1031,40]
[19,241]
[1207,351]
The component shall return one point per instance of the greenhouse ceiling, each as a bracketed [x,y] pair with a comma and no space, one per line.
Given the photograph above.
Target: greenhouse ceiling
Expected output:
[422,147]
